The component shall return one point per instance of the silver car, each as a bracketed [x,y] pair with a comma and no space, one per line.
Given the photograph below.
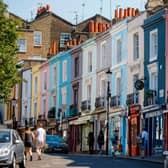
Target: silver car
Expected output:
[11,149]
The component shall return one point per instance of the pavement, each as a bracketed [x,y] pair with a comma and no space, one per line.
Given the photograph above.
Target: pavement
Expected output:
[155,159]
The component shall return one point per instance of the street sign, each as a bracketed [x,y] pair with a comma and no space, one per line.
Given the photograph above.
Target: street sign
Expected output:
[139,85]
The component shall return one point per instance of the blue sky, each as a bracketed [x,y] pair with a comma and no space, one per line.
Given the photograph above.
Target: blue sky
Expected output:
[68,9]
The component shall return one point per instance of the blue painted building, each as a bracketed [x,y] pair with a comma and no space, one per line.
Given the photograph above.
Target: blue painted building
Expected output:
[53,92]
[118,120]
[64,91]
[154,83]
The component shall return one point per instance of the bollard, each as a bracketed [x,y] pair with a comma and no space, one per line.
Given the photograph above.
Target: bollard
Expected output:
[165,153]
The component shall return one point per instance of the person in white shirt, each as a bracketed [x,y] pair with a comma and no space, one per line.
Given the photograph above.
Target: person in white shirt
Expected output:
[40,139]
[144,145]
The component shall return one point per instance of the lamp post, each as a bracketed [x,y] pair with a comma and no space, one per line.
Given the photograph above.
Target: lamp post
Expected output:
[107,112]
[13,113]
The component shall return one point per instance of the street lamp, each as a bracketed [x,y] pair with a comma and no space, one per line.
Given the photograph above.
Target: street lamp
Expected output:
[13,113]
[107,112]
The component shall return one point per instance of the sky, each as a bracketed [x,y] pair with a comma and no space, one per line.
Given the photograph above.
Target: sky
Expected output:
[73,11]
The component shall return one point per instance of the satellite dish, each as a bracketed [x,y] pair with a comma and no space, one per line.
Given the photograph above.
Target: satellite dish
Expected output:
[139,84]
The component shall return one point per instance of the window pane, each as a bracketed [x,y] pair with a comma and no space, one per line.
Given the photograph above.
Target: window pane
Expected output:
[136,46]
[37,38]
[64,37]
[22,45]
[118,50]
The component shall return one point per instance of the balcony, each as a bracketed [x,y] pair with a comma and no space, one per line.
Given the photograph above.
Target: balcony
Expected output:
[100,102]
[115,101]
[150,97]
[73,110]
[132,98]
[41,117]
[51,113]
[85,105]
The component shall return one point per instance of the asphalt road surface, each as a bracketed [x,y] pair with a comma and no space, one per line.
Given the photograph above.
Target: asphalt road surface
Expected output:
[87,161]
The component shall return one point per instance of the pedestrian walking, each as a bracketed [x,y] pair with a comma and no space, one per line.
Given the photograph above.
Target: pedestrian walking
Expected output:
[114,141]
[100,141]
[40,139]
[91,142]
[28,141]
[144,142]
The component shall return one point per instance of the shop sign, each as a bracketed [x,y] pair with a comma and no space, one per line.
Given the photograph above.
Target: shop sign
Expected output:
[153,114]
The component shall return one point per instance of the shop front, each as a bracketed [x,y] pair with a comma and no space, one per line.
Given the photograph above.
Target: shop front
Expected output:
[133,130]
[99,124]
[118,125]
[153,122]
[85,125]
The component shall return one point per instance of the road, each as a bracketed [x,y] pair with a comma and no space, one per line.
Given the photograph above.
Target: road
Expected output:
[87,161]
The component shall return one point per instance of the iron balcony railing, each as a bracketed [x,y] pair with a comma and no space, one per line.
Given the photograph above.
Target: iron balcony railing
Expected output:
[150,97]
[115,101]
[51,113]
[85,105]
[100,102]
[132,98]
[73,110]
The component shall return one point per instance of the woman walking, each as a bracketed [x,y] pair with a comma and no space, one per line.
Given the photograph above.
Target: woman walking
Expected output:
[29,138]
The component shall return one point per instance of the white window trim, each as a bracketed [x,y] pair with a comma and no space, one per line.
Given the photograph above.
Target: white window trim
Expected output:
[118,38]
[135,47]
[44,72]
[152,68]
[152,58]
[101,54]
[39,32]
[25,46]
[64,70]
[64,93]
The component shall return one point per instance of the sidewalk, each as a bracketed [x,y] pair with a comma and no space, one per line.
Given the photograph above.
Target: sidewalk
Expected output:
[155,159]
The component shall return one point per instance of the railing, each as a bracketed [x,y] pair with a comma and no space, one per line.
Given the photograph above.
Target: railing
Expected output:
[85,105]
[51,113]
[73,110]
[100,102]
[41,116]
[150,97]
[132,98]
[115,101]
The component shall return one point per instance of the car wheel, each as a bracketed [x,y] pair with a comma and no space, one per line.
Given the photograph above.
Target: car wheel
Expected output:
[22,164]
[13,165]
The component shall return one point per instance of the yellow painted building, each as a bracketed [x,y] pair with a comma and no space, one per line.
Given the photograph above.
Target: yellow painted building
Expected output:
[35,104]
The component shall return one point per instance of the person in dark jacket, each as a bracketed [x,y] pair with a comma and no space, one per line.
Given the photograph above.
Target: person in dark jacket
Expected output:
[91,142]
[100,141]
[29,138]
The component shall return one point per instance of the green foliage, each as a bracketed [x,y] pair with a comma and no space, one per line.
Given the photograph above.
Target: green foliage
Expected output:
[8,47]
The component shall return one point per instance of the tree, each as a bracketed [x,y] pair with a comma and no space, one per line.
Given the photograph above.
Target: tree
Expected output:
[8,47]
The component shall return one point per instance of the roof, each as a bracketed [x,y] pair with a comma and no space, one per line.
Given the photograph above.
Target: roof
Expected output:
[94,17]
[46,14]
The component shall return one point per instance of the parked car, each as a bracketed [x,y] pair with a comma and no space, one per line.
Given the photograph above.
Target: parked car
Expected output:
[11,149]
[55,143]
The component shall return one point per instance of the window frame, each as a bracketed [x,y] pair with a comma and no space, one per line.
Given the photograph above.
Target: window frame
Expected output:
[20,48]
[135,46]
[64,70]
[153,45]
[37,38]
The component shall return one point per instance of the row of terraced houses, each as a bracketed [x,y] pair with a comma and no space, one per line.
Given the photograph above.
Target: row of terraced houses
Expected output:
[68,90]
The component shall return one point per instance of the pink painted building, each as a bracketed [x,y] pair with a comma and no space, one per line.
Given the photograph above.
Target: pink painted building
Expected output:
[44,90]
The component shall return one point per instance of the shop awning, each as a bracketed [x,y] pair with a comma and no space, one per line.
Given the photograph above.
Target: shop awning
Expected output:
[81,120]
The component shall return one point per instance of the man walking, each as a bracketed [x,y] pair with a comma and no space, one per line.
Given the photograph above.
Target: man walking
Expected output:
[40,139]
[144,144]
